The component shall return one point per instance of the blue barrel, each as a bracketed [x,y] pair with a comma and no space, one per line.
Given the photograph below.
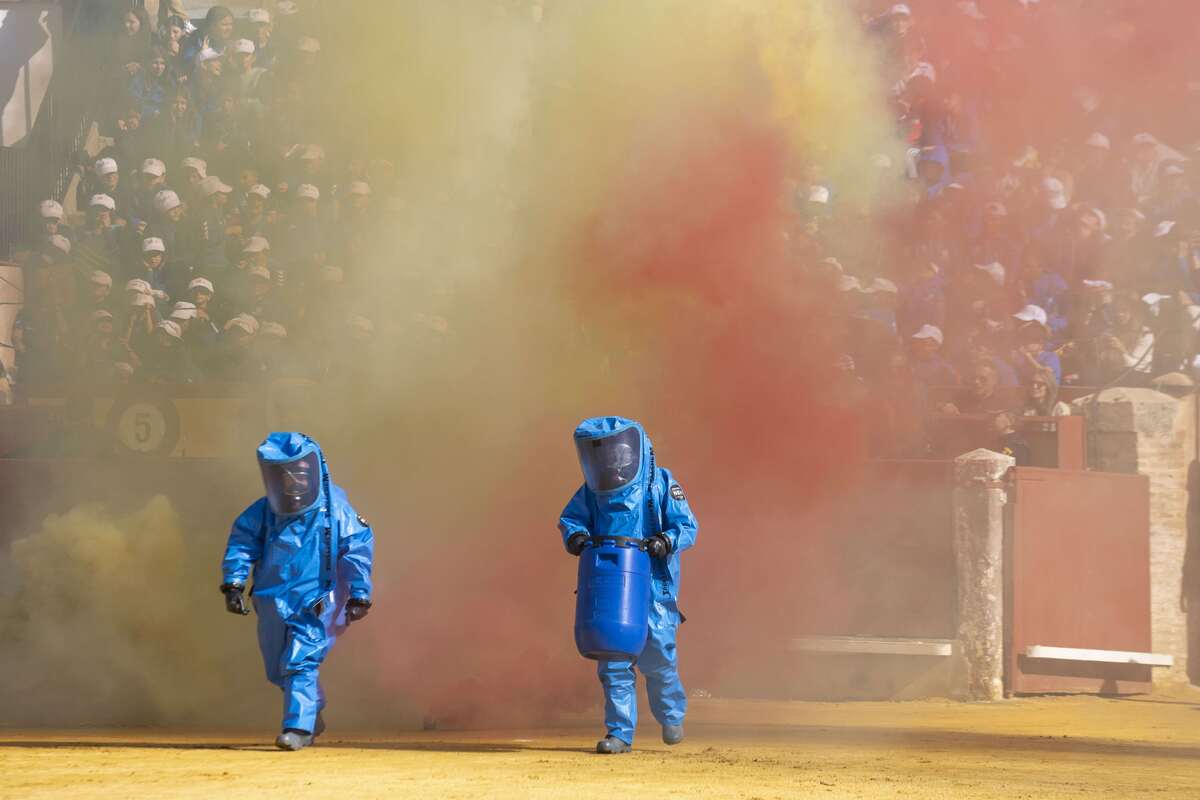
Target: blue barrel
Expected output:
[612,609]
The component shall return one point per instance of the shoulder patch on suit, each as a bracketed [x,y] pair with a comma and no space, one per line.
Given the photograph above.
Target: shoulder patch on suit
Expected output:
[363,521]
[677,491]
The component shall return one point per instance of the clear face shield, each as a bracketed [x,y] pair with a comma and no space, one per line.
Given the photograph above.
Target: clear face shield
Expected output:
[292,486]
[611,462]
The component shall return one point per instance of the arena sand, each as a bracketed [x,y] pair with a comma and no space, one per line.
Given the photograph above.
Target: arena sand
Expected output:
[1061,747]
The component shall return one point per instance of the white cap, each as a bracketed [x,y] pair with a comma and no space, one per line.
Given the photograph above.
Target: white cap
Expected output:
[881,160]
[881,285]
[1099,140]
[184,314]
[360,187]
[332,274]
[137,285]
[123,369]
[287,7]
[101,278]
[923,69]
[184,305]
[312,151]
[308,44]
[900,10]
[1056,193]
[259,190]
[995,270]
[61,242]
[273,329]
[1163,228]
[1174,168]
[256,244]
[259,271]
[142,300]
[833,262]
[849,283]
[1153,299]
[929,332]
[200,283]
[106,166]
[198,164]
[971,9]
[208,54]
[104,201]
[100,314]
[152,166]
[166,200]
[153,244]
[259,15]
[51,209]
[244,321]
[1032,313]
[1145,139]
[308,192]
[243,46]
[212,184]
[1101,285]
[170,328]
[360,323]
[996,209]
[818,194]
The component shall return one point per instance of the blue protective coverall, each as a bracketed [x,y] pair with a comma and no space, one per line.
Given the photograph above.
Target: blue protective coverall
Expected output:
[649,504]
[306,566]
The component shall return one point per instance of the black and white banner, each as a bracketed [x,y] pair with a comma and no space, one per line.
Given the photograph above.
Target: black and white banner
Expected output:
[28,35]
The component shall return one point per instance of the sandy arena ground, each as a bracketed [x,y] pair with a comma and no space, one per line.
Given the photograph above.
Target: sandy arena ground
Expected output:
[1031,748]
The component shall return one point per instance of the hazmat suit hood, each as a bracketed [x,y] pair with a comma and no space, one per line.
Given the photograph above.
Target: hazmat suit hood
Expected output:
[294,473]
[615,454]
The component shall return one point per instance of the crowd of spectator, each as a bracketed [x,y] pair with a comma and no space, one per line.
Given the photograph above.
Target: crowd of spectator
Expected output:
[214,241]
[1042,232]
[1039,235]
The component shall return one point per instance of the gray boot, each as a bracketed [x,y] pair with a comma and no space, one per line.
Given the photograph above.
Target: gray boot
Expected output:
[672,734]
[611,744]
[293,740]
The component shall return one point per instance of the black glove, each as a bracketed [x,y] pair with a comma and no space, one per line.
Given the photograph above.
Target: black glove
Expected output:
[234,602]
[657,546]
[356,609]
[576,543]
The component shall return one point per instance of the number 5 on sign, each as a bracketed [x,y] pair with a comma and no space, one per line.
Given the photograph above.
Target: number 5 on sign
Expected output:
[141,428]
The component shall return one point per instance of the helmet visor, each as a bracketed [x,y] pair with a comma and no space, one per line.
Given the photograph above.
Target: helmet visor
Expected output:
[292,486]
[611,462]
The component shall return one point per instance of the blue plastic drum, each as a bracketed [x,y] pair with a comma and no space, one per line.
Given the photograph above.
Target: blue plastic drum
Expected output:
[612,610]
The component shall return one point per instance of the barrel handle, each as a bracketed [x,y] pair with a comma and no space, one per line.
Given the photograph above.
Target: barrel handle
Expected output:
[595,540]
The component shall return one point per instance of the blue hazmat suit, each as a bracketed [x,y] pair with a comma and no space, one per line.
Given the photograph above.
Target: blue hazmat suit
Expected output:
[640,503]
[310,552]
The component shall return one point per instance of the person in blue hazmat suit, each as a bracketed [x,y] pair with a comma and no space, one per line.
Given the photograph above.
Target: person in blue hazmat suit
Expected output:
[311,555]
[626,494]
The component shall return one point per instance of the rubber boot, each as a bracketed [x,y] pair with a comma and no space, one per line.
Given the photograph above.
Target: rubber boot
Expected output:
[672,734]
[611,744]
[293,740]
[319,727]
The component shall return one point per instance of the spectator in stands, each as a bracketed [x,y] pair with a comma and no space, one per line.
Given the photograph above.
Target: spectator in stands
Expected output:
[210,217]
[226,138]
[193,171]
[176,134]
[1042,398]
[982,395]
[1032,354]
[1046,290]
[247,74]
[152,272]
[926,362]
[51,215]
[1126,354]
[132,44]
[101,350]
[231,360]
[107,180]
[214,33]
[99,296]
[153,180]
[152,85]
[167,360]
[96,243]
[1009,441]
[260,30]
